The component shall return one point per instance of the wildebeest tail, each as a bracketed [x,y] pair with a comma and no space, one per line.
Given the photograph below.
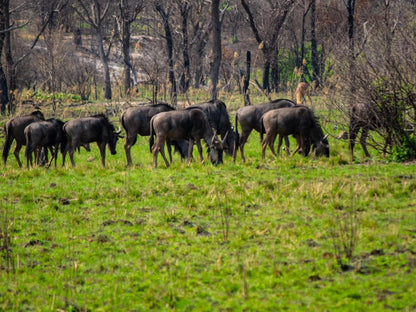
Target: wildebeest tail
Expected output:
[64,142]
[123,124]
[151,139]
[237,135]
[8,142]
[28,143]
[261,130]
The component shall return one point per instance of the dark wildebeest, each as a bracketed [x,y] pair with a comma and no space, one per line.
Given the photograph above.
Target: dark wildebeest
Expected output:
[219,120]
[366,118]
[44,134]
[249,118]
[191,125]
[97,128]
[136,120]
[14,130]
[299,121]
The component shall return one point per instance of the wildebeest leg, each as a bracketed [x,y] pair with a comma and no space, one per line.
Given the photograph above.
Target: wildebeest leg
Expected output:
[263,148]
[156,148]
[300,144]
[190,149]
[169,147]
[271,141]
[363,141]
[28,153]
[387,143]
[54,153]
[198,145]
[130,141]
[243,140]
[268,141]
[155,151]
[65,150]
[162,152]
[353,131]
[101,146]
[279,144]
[71,154]
[16,153]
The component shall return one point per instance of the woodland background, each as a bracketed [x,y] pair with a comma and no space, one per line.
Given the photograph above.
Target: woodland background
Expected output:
[349,51]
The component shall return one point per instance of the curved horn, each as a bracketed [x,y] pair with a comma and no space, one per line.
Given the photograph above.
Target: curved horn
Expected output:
[223,140]
[325,137]
[214,134]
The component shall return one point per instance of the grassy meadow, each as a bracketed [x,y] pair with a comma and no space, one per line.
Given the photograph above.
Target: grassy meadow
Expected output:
[292,233]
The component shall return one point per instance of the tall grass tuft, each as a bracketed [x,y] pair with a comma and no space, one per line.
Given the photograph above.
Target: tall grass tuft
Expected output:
[6,250]
[345,231]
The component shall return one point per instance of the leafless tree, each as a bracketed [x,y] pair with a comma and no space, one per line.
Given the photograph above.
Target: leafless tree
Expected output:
[8,68]
[94,13]
[216,47]
[129,10]
[266,20]
[383,78]
[164,14]
[185,76]
[201,26]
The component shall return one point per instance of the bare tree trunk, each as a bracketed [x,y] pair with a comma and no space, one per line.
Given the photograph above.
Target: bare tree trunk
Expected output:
[104,61]
[266,77]
[216,47]
[314,49]
[125,43]
[247,79]
[186,76]
[4,25]
[94,14]
[275,74]
[169,47]
[129,13]
[302,41]
[351,8]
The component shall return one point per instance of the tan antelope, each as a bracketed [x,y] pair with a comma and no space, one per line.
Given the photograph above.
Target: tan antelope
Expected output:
[302,90]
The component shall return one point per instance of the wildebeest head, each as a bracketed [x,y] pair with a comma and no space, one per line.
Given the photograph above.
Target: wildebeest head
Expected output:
[322,149]
[216,149]
[112,142]
[216,112]
[229,141]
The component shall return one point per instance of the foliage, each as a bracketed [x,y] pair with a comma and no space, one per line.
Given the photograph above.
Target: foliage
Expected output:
[406,151]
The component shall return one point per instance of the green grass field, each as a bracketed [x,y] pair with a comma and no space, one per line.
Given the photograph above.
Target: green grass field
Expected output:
[293,233]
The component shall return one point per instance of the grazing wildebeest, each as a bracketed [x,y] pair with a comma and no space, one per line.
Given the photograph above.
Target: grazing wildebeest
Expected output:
[249,118]
[191,125]
[44,134]
[299,121]
[366,118]
[136,120]
[97,128]
[14,130]
[219,120]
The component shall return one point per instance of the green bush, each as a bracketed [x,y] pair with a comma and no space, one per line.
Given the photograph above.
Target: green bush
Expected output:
[405,151]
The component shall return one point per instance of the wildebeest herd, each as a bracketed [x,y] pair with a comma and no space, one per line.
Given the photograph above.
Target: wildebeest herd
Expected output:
[180,128]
